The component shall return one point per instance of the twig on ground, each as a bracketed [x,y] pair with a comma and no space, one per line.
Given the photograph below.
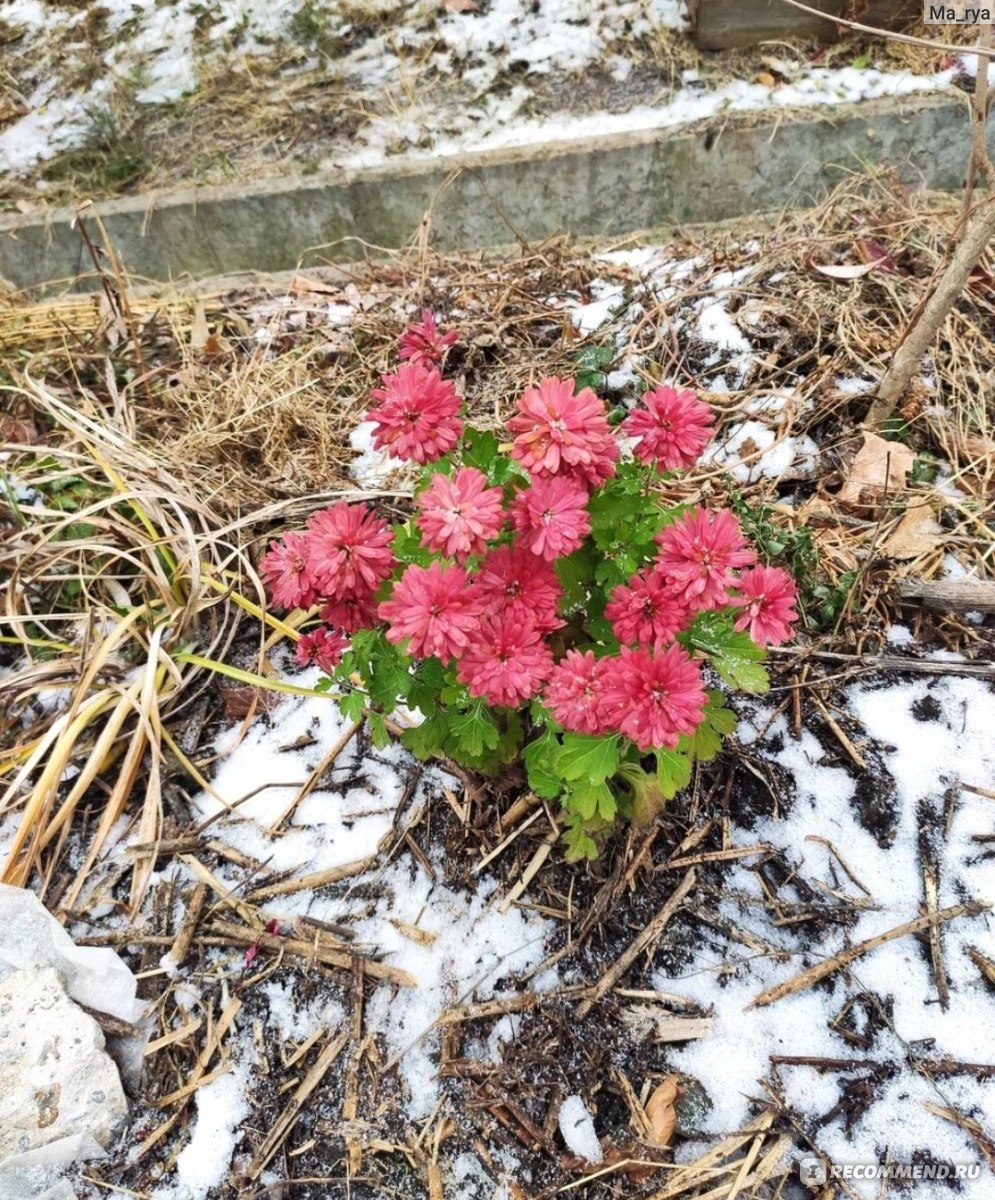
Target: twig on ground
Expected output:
[829,966]
[645,939]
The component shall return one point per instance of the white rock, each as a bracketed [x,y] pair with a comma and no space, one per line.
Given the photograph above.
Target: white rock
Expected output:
[94,976]
[31,937]
[578,1131]
[37,1175]
[55,1077]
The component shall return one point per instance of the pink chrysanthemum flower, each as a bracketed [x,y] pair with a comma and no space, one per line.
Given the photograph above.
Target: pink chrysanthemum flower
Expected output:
[557,430]
[575,693]
[601,466]
[647,610]
[417,418]
[698,554]
[551,516]
[673,428]
[423,342]
[349,550]
[434,608]
[287,571]
[323,646]
[658,694]
[767,596]
[514,581]
[351,613]
[506,662]
[460,515]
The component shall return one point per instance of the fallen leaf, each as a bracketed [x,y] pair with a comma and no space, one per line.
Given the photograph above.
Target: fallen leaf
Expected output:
[842,272]
[660,1111]
[915,534]
[460,6]
[875,255]
[766,79]
[23,433]
[878,471]
[241,701]
[301,285]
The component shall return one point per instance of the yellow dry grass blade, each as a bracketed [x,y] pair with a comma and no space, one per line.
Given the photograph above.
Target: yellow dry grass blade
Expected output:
[250,677]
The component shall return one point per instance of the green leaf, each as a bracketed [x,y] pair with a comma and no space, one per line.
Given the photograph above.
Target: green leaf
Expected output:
[706,741]
[481,449]
[427,682]
[592,363]
[428,739]
[351,705]
[576,574]
[407,545]
[540,764]
[747,676]
[589,799]
[580,845]
[585,756]
[475,731]
[734,655]
[379,733]
[673,771]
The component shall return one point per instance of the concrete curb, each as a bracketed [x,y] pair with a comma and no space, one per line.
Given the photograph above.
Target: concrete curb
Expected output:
[602,187]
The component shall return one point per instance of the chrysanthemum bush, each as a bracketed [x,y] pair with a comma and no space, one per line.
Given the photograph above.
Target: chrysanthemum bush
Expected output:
[544,602]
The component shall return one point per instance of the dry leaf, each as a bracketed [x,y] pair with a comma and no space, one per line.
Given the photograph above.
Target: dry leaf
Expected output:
[241,700]
[766,79]
[879,470]
[660,1110]
[23,433]
[460,6]
[915,534]
[300,285]
[876,255]
[841,271]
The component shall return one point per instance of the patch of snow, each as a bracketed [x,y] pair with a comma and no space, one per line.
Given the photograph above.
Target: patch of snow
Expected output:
[577,1127]
[372,468]
[221,1106]
[753,451]
[933,732]
[474,948]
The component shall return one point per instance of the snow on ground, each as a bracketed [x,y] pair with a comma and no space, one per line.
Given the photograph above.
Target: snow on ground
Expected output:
[161,53]
[761,445]
[934,732]
[457,945]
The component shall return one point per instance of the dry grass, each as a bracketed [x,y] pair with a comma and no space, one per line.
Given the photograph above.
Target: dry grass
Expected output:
[121,596]
[167,457]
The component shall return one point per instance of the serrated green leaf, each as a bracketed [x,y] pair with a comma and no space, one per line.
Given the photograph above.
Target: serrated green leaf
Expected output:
[673,771]
[481,449]
[540,764]
[588,800]
[745,675]
[379,733]
[588,757]
[475,730]
[580,845]
[428,739]
[351,705]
